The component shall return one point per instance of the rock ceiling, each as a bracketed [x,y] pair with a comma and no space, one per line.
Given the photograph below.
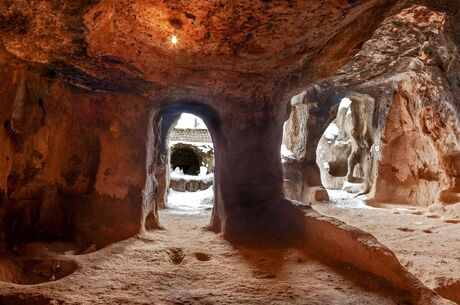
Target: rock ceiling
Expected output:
[112,43]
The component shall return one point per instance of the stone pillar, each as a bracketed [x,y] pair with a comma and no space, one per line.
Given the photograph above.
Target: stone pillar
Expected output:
[312,111]
[249,202]
[157,166]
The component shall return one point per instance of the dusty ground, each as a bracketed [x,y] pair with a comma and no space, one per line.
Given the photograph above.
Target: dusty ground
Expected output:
[184,264]
[425,240]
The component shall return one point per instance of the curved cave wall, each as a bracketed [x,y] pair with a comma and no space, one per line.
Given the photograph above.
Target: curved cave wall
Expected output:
[419,153]
[83,132]
[415,121]
[417,115]
[61,176]
[86,108]
[307,121]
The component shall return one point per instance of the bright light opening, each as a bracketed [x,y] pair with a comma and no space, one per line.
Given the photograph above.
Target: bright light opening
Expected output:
[174,39]
[192,167]
[190,121]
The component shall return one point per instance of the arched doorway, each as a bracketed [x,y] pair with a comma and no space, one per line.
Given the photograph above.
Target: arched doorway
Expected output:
[345,150]
[191,167]
[329,155]
[185,160]
[191,170]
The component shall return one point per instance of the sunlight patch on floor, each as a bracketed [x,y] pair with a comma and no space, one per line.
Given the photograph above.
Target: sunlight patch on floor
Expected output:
[346,200]
[198,202]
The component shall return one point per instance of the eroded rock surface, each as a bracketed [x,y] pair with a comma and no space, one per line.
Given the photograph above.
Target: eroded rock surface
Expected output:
[230,46]
[345,151]
[84,81]
[411,68]
[89,91]
[71,165]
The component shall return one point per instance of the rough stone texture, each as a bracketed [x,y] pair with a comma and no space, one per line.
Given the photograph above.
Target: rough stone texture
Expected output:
[360,132]
[330,238]
[184,185]
[90,90]
[225,47]
[302,179]
[333,153]
[411,68]
[190,135]
[420,139]
[108,77]
[241,60]
[200,267]
[60,172]
[420,151]
[347,156]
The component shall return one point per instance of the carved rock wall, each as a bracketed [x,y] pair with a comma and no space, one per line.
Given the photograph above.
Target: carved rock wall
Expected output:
[418,107]
[420,148]
[345,151]
[106,69]
[77,113]
[411,68]
[70,164]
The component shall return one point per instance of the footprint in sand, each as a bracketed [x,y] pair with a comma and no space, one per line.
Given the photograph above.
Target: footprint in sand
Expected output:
[406,229]
[202,256]
[258,274]
[452,221]
[176,255]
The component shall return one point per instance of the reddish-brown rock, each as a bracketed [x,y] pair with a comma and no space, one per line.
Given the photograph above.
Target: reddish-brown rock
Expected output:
[89,90]
[410,67]
[97,74]
[68,158]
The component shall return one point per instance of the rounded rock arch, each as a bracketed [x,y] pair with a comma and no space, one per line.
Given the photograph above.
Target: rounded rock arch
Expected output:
[162,120]
[186,158]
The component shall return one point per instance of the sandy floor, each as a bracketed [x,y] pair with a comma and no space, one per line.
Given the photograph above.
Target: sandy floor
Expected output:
[184,264]
[425,240]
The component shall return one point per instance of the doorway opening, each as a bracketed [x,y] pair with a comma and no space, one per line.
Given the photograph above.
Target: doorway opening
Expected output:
[346,149]
[191,166]
[186,160]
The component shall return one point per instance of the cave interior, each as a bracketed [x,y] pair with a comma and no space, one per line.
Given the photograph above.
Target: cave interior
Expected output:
[329,172]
